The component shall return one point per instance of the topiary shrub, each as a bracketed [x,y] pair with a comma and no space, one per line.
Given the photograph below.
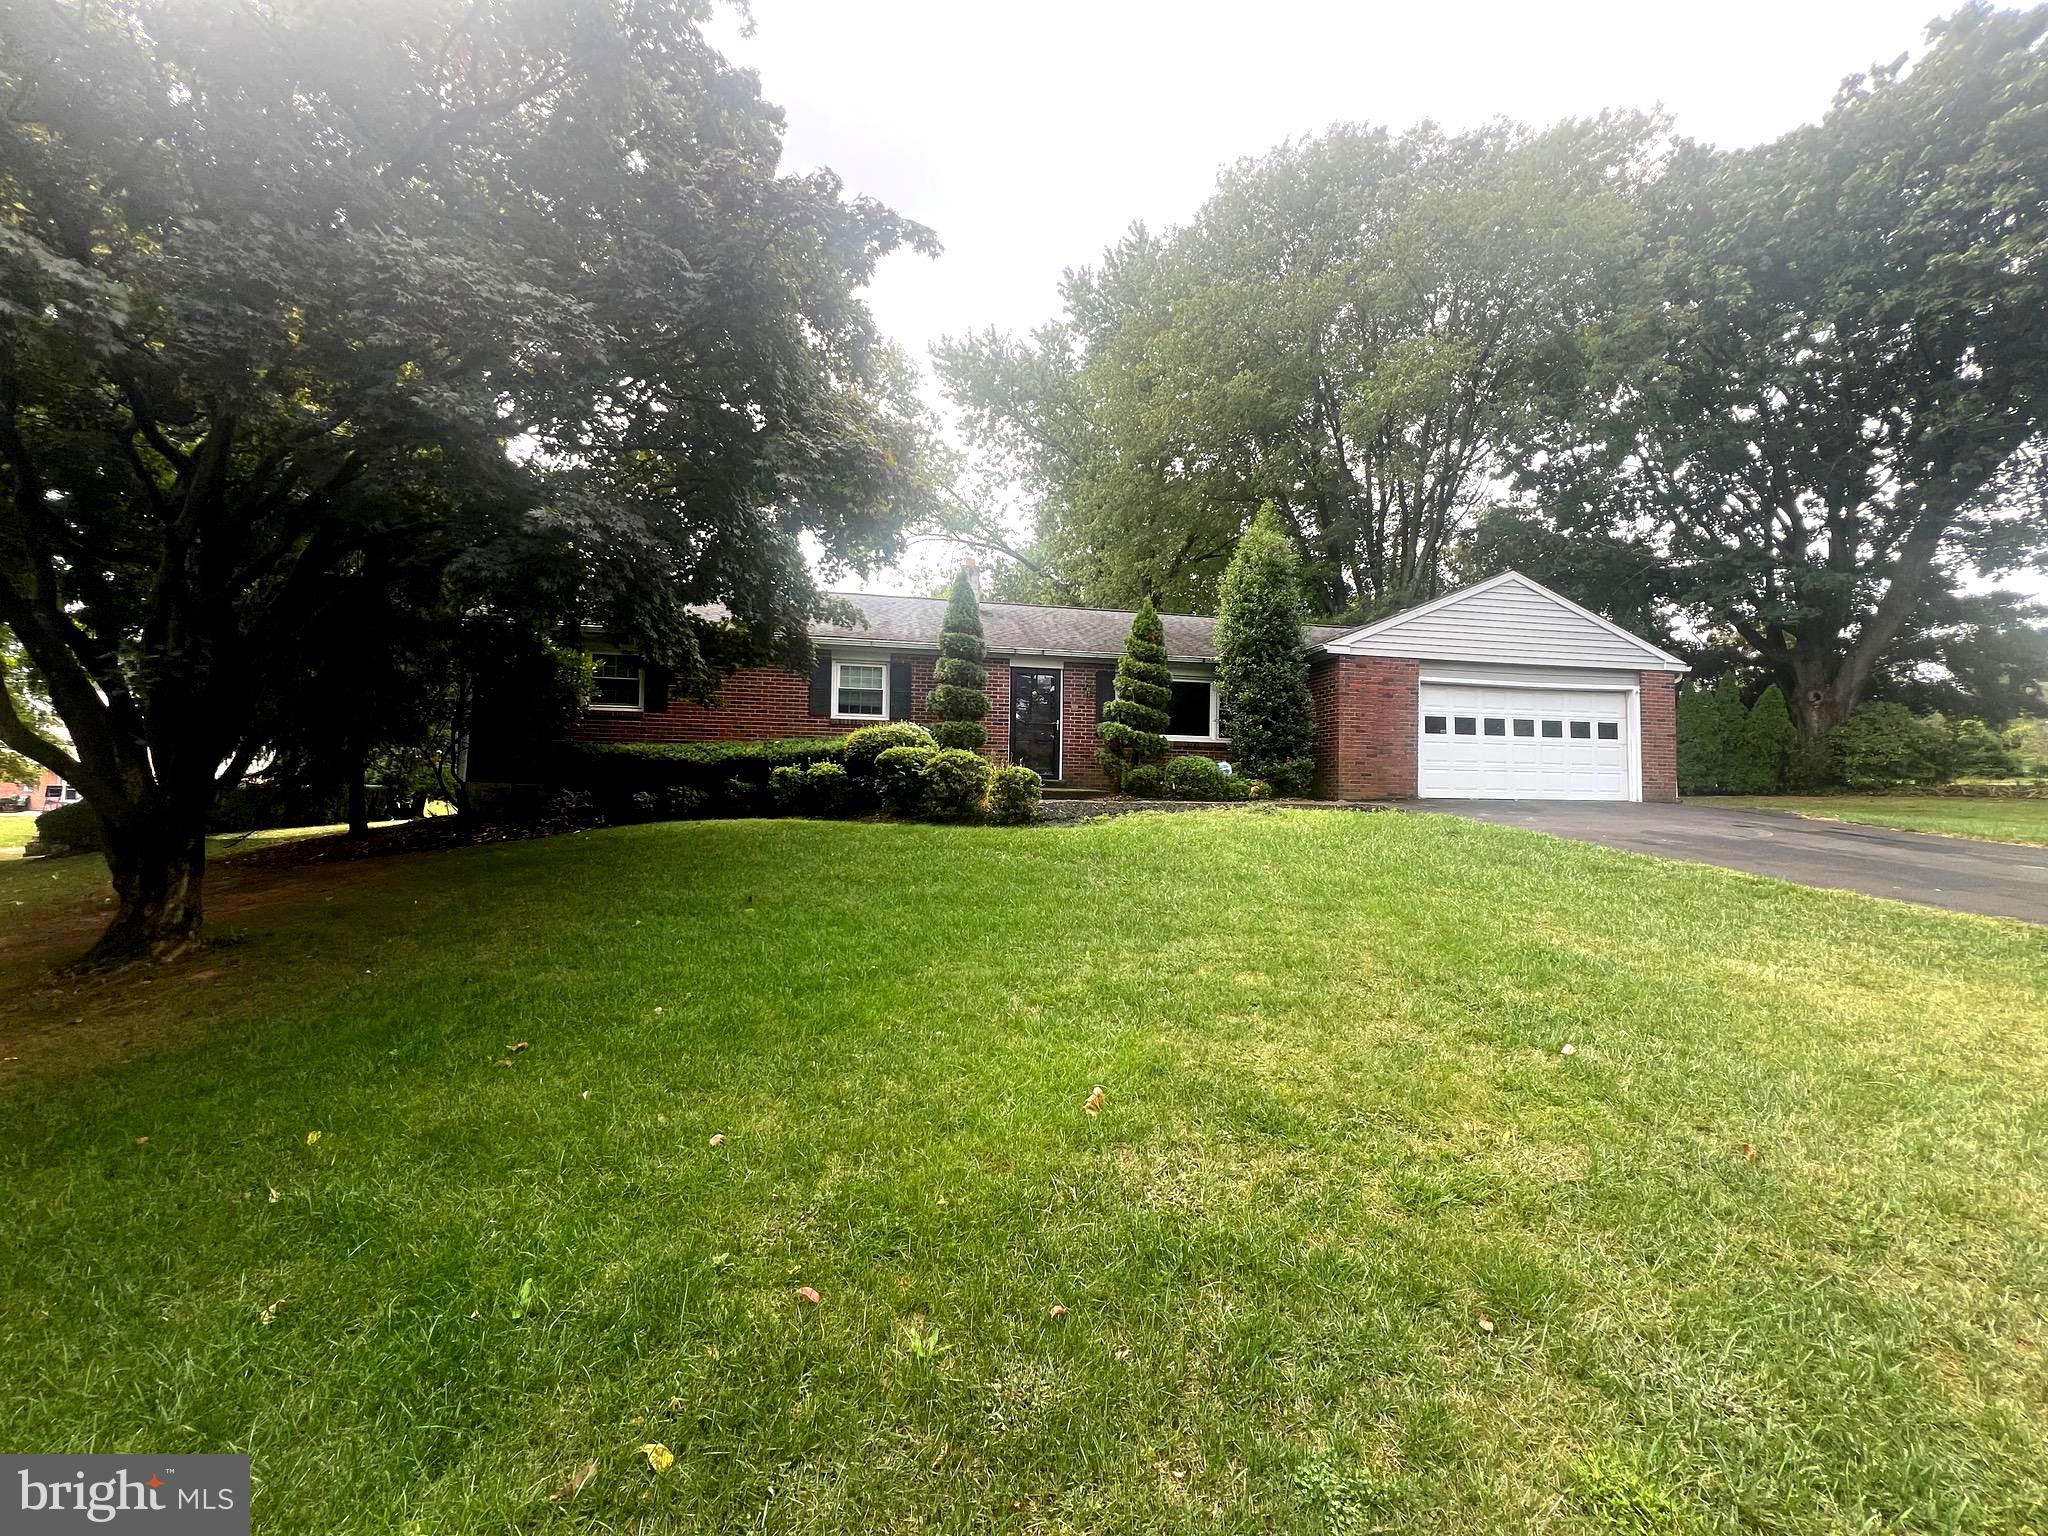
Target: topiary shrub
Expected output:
[871,741]
[1133,728]
[1013,795]
[1261,668]
[1763,749]
[956,784]
[1881,746]
[958,701]
[788,788]
[825,788]
[1201,778]
[1145,781]
[899,778]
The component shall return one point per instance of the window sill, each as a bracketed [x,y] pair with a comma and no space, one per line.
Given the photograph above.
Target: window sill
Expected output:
[616,709]
[862,719]
[1199,741]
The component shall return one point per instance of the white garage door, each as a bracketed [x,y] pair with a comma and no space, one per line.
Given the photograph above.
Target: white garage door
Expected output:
[1482,743]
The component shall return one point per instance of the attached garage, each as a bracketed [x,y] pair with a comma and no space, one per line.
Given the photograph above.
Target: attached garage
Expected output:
[1507,691]
[1524,742]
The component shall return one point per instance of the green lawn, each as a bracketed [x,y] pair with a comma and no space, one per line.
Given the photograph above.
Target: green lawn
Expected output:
[1352,1245]
[16,828]
[1998,821]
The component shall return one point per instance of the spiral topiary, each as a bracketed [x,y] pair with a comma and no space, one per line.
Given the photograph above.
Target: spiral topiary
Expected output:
[1133,729]
[958,702]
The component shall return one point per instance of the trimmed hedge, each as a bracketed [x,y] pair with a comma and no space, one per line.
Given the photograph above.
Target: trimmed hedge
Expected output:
[1013,795]
[1190,778]
[69,826]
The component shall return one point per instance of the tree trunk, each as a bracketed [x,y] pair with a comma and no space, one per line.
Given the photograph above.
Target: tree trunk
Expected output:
[158,874]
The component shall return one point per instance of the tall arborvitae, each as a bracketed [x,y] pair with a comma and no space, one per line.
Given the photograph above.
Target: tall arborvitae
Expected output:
[1261,668]
[1133,728]
[1710,723]
[1763,749]
[958,702]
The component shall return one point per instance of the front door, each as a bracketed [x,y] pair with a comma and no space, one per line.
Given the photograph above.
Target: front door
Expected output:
[1035,719]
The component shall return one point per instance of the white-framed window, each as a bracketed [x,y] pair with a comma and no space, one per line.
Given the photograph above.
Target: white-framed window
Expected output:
[860,690]
[621,682]
[1193,712]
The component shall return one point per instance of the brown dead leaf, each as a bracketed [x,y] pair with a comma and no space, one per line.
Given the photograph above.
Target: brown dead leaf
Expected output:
[718,1138]
[1485,1323]
[1749,1151]
[1057,1312]
[574,1484]
[1094,1104]
[520,1045]
[807,1296]
[142,1141]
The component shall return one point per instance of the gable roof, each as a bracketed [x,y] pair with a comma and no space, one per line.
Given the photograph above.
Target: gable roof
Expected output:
[1511,621]
[1028,629]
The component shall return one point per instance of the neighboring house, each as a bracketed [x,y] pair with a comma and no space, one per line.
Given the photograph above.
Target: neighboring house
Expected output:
[45,794]
[1502,690]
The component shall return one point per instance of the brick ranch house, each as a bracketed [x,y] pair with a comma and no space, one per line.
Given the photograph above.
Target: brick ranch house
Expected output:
[1502,690]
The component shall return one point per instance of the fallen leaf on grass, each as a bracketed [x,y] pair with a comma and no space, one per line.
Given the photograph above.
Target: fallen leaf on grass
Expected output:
[142,1141]
[520,1045]
[502,1061]
[1749,1151]
[807,1296]
[1569,1049]
[659,1457]
[269,1314]
[1485,1323]
[311,1137]
[718,1138]
[1057,1312]
[1094,1104]
[576,1482]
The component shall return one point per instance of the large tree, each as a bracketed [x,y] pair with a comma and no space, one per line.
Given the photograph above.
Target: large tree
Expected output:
[1820,408]
[281,281]
[1345,329]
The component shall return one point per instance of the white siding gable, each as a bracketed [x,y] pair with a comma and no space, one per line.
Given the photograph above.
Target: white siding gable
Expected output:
[1508,621]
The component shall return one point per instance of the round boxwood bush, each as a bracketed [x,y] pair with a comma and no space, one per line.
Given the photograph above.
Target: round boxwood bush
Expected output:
[1013,795]
[825,788]
[1201,778]
[740,797]
[899,778]
[956,784]
[871,741]
[787,787]
[1145,781]
[71,826]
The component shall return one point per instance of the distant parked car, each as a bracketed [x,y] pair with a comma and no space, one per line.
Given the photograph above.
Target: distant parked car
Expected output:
[14,800]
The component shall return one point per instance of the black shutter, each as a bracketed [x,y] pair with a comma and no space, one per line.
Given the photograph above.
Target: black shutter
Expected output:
[821,683]
[654,690]
[1105,691]
[899,690]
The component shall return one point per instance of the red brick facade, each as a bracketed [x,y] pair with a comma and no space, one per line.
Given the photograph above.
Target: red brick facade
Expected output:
[1658,738]
[1365,720]
[1365,726]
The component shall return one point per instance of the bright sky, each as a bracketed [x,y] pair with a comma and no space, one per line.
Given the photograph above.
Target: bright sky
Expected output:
[1031,135]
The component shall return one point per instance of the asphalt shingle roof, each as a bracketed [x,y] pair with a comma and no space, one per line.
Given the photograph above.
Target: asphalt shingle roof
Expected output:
[1028,629]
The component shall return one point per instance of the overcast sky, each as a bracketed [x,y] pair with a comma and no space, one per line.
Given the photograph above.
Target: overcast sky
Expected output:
[1030,135]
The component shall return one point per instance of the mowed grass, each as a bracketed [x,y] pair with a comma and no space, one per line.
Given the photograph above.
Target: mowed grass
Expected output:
[16,828]
[1352,1245]
[1998,821]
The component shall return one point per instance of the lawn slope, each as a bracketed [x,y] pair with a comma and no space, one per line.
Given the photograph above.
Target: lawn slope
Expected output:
[1988,820]
[419,1203]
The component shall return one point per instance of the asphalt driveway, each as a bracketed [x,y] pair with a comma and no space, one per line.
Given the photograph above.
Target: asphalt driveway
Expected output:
[1994,879]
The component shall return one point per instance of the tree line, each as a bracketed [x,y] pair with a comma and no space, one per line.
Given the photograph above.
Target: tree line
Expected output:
[1778,409]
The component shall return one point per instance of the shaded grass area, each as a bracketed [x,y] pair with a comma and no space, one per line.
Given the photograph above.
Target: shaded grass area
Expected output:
[1766,1252]
[1998,821]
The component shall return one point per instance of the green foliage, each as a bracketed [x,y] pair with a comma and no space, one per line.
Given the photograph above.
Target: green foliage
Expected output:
[1201,778]
[956,784]
[1881,746]
[827,786]
[871,741]
[1145,781]
[282,280]
[615,771]
[1763,750]
[1978,752]
[1833,342]
[787,789]
[957,701]
[75,826]
[1133,728]
[1348,325]
[1261,668]
[899,778]
[1710,723]
[1013,795]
